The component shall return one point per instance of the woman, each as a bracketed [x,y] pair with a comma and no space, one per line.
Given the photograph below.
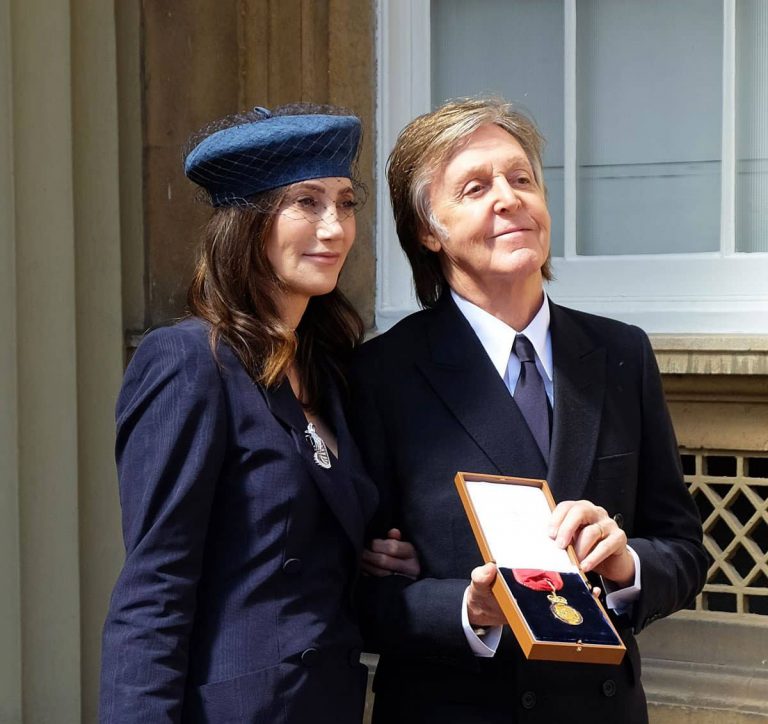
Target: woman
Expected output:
[244,501]
[493,377]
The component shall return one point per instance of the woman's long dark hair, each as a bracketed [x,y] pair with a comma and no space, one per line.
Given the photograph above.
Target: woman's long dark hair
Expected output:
[235,289]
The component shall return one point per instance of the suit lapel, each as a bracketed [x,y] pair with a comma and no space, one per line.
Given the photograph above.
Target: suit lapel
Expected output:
[364,494]
[284,406]
[462,375]
[579,391]
[334,484]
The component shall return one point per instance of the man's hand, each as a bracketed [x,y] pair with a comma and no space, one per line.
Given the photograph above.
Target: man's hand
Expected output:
[482,608]
[600,545]
[391,555]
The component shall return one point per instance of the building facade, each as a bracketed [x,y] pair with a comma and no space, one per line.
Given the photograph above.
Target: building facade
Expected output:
[656,166]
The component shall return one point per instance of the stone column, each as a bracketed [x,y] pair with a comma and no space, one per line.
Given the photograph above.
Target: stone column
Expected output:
[46,360]
[98,321]
[10,590]
[61,360]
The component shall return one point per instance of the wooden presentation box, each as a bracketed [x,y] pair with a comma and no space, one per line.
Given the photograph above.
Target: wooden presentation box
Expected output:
[510,518]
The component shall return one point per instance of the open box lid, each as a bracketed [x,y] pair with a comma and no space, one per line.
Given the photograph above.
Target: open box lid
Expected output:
[510,519]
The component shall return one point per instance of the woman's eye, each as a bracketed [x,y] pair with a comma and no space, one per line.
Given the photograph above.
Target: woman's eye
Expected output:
[349,204]
[306,202]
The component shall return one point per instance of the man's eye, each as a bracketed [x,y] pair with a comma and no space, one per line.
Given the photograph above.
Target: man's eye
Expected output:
[473,189]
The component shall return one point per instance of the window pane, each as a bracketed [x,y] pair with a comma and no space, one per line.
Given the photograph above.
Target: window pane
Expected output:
[752,125]
[649,95]
[511,49]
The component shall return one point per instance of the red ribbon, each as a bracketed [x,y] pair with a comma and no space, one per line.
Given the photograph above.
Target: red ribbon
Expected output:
[537,579]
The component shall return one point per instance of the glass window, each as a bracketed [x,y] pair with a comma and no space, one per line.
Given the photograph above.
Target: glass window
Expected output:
[649,119]
[752,125]
[656,118]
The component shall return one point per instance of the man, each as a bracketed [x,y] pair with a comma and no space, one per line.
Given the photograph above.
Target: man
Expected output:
[492,377]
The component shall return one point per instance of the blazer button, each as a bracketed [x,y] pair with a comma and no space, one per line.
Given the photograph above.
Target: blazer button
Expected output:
[528,700]
[609,687]
[292,566]
[309,657]
[619,520]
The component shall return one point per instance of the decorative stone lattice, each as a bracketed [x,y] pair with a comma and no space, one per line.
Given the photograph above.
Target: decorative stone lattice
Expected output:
[731,491]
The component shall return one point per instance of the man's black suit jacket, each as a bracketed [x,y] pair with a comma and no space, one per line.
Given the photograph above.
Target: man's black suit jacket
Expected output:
[427,402]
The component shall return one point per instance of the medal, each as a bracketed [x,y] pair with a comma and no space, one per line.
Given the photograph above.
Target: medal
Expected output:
[560,608]
[320,456]
[549,580]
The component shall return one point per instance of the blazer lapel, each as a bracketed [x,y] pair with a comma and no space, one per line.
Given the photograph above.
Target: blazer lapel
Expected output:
[461,373]
[359,491]
[334,483]
[284,406]
[579,391]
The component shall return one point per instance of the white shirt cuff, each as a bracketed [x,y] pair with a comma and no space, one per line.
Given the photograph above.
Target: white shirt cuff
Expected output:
[485,646]
[621,599]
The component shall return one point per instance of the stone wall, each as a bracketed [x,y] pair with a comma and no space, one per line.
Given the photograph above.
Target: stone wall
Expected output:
[204,60]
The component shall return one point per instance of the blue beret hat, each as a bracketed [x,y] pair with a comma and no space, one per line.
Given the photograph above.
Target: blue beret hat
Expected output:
[238,162]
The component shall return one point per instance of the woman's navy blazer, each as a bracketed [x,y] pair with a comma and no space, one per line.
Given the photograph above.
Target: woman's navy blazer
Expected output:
[234,603]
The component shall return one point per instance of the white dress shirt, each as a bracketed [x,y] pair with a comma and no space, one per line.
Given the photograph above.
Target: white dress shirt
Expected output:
[497,338]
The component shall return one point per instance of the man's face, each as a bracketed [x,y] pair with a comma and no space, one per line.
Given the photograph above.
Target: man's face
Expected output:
[494,215]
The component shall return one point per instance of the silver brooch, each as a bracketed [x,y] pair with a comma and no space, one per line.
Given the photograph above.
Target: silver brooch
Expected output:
[321,456]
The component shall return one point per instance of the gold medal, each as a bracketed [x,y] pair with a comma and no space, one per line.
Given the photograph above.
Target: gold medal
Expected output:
[562,611]
[539,580]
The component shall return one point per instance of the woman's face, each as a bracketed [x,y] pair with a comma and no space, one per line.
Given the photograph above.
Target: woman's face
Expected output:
[493,213]
[311,236]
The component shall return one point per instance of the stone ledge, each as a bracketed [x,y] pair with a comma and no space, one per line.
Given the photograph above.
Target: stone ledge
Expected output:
[727,690]
[706,667]
[711,354]
[706,637]
[670,714]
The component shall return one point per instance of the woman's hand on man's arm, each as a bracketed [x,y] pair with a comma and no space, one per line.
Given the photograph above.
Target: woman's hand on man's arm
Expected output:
[391,555]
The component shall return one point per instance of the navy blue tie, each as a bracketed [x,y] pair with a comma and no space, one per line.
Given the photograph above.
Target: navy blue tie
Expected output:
[530,395]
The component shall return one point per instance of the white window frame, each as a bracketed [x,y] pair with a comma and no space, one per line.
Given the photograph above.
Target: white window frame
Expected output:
[713,292]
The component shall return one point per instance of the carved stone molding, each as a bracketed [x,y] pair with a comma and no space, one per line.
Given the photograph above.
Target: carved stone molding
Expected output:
[702,354]
[706,667]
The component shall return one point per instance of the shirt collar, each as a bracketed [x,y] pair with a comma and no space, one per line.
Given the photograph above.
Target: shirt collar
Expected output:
[497,336]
